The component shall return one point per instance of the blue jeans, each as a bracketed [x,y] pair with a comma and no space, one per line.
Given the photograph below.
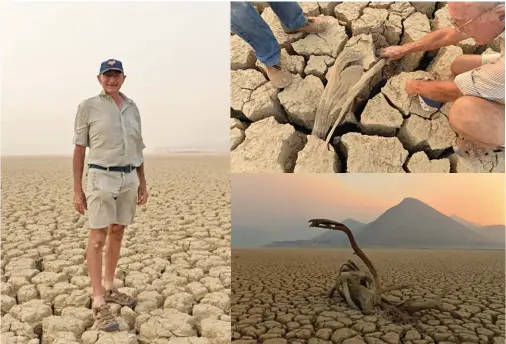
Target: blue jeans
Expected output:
[247,23]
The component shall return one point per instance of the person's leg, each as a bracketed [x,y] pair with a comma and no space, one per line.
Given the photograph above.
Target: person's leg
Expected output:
[112,251]
[126,204]
[465,63]
[101,212]
[96,243]
[247,23]
[290,14]
[292,18]
[479,124]
[104,318]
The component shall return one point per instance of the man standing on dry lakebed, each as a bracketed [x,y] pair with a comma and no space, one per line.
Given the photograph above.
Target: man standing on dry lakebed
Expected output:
[477,91]
[110,125]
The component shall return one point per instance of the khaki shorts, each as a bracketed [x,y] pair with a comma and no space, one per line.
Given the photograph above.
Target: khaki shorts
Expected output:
[111,197]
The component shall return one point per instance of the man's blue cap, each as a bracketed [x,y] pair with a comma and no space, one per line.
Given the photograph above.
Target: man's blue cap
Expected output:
[111,64]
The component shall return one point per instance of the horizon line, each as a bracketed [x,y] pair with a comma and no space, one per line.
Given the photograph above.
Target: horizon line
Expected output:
[443,248]
[381,212]
[69,155]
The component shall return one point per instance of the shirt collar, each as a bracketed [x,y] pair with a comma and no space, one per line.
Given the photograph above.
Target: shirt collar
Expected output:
[103,94]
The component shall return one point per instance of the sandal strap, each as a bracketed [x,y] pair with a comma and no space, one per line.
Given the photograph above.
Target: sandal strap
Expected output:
[119,295]
[104,313]
[468,149]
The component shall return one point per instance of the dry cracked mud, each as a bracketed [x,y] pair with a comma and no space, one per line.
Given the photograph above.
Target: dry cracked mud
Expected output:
[280,130]
[175,257]
[280,296]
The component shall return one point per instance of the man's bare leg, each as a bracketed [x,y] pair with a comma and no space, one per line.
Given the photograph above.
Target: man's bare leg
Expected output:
[112,252]
[465,63]
[96,243]
[478,120]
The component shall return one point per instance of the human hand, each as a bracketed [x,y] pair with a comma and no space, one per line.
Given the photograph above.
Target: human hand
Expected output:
[412,87]
[142,194]
[80,204]
[394,52]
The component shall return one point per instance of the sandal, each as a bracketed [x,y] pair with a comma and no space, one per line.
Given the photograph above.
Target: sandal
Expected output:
[469,150]
[120,298]
[105,321]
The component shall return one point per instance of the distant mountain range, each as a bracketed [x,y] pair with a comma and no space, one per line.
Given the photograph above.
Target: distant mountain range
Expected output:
[494,232]
[326,239]
[250,237]
[409,224]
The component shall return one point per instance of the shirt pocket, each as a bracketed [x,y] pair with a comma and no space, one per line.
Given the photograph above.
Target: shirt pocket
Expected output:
[136,135]
[134,127]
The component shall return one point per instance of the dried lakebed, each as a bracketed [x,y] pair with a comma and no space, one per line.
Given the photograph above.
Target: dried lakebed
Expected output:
[280,296]
[175,258]
[276,130]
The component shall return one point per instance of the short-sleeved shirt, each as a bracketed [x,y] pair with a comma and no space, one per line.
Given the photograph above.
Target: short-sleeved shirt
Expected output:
[487,81]
[114,136]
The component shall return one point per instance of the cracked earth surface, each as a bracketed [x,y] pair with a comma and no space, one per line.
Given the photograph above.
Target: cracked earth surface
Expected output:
[175,258]
[276,130]
[281,297]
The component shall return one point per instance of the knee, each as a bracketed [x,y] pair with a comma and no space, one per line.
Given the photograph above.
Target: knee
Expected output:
[240,11]
[97,239]
[117,231]
[458,112]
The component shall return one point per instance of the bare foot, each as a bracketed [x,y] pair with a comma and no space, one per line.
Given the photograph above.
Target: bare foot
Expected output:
[279,77]
[314,25]
[98,301]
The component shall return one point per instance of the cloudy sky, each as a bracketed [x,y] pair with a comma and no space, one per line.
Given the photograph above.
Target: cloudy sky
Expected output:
[175,55]
[259,199]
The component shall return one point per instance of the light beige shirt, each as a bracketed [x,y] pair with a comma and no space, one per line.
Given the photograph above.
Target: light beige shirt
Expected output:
[114,136]
[487,81]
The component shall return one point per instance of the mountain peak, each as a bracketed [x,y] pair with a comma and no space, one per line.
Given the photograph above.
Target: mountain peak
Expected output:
[411,200]
[413,203]
[412,223]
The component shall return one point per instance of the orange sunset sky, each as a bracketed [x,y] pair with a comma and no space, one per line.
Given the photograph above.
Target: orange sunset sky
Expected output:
[478,198]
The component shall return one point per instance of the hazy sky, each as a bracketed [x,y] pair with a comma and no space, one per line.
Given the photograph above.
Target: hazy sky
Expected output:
[479,198]
[175,55]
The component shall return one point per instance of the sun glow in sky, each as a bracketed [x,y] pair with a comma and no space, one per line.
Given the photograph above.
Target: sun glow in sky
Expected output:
[262,198]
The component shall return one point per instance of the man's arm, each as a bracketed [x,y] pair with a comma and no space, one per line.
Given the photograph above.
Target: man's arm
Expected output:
[140,169]
[78,167]
[81,141]
[140,174]
[443,91]
[142,192]
[432,41]
[435,40]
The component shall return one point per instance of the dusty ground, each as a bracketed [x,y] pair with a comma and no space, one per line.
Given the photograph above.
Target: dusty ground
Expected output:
[280,296]
[175,258]
[276,130]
